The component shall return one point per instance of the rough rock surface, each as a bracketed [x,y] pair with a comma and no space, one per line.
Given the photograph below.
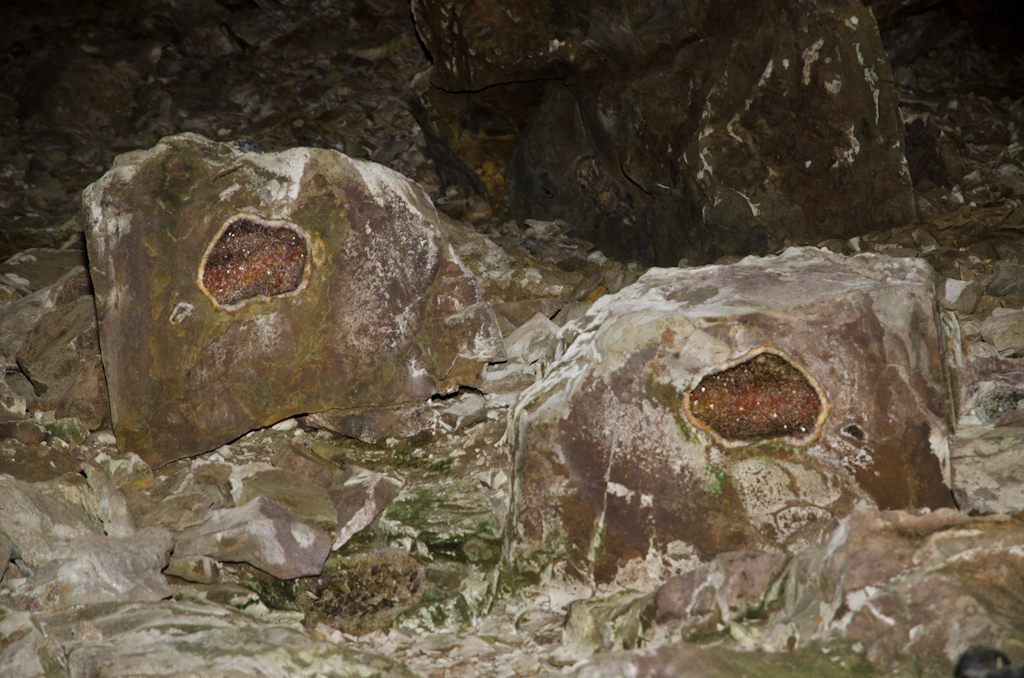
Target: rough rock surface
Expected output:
[623,468]
[146,640]
[95,569]
[271,285]
[677,132]
[336,75]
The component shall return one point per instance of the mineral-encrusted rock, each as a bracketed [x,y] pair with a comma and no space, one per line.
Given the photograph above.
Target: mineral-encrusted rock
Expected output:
[684,130]
[262,533]
[237,289]
[730,407]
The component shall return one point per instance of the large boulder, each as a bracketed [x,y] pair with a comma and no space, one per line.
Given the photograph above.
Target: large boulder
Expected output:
[735,407]
[235,289]
[669,131]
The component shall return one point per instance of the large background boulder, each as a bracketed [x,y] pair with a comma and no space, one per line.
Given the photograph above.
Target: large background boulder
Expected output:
[669,131]
[730,407]
[237,289]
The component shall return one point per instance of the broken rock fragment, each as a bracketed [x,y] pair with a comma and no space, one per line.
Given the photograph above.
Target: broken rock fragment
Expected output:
[262,533]
[236,289]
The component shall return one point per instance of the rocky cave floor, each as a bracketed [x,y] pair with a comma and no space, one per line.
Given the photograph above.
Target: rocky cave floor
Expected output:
[86,83]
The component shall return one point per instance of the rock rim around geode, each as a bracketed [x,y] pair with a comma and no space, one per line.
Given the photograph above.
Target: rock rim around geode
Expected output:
[237,289]
[836,398]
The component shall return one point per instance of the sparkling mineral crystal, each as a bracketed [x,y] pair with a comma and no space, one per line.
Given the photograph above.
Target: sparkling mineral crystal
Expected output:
[764,397]
[254,257]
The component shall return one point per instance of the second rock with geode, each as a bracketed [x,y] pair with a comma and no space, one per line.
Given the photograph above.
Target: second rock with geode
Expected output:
[724,408]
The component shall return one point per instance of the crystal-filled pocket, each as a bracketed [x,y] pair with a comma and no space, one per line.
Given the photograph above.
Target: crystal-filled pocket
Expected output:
[253,258]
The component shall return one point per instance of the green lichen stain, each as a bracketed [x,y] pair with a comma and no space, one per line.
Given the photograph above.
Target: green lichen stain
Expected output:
[455,522]
[717,479]
[667,397]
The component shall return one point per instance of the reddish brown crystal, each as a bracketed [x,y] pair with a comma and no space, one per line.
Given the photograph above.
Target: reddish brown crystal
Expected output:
[252,258]
[764,397]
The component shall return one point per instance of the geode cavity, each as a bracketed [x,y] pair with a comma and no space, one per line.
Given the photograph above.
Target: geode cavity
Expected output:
[760,398]
[253,257]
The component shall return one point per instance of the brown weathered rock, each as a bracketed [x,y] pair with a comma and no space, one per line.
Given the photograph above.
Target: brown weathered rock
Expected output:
[891,12]
[39,267]
[25,431]
[923,588]
[19,319]
[86,397]
[684,131]
[58,344]
[623,469]
[40,522]
[237,289]
[291,490]
[75,90]
[731,587]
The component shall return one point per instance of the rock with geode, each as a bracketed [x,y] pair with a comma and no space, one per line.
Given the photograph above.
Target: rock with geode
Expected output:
[722,408]
[236,289]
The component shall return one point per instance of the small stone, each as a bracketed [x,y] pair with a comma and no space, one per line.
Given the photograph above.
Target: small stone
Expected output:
[24,431]
[960,296]
[358,497]
[536,339]
[1007,278]
[507,377]
[1004,329]
[70,429]
[286,425]
[198,569]
[469,409]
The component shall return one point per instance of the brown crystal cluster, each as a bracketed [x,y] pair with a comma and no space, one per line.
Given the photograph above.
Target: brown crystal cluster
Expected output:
[764,397]
[251,258]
